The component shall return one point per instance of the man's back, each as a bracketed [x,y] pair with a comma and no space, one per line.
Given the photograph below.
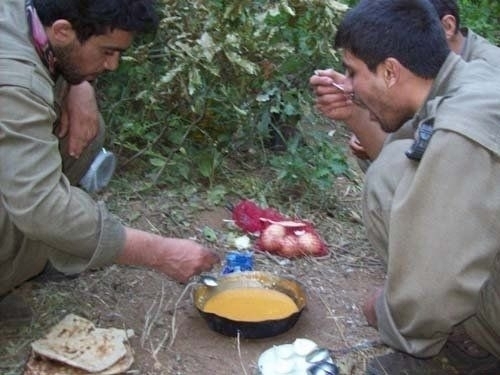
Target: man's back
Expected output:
[475,48]
[478,48]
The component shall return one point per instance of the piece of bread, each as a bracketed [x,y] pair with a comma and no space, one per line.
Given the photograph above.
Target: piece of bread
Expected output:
[76,342]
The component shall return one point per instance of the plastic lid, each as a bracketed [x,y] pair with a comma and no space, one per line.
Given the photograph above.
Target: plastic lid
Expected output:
[100,172]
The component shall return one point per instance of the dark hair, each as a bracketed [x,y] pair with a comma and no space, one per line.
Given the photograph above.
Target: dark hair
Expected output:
[445,7]
[407,30]
[98,17]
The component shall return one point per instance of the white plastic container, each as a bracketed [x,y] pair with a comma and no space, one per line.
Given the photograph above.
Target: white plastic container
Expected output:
[287,359]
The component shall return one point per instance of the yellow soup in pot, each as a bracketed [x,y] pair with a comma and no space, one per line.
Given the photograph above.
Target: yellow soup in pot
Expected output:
[251,305]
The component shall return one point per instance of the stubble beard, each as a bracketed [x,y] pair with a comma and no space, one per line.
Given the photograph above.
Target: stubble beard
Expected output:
[65,66]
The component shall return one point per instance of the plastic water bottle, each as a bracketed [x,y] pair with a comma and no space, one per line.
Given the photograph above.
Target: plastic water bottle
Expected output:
[238,261]
[100,172]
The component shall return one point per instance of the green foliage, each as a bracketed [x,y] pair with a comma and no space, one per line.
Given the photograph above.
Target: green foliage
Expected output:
[307,172]
[224,84]
[482,16]
[219,79]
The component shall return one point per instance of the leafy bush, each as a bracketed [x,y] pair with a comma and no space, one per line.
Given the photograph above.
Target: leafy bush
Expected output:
[306,172]
[482,16]
[221,80]
[225,83]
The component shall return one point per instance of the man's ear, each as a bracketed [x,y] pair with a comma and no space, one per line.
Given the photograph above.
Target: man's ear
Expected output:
[61,33]
[449,24]
[391,70]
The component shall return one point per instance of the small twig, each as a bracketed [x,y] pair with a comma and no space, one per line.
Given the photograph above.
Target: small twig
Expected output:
[173,329]
[346,200]
[348,348]
[239,353]
[146,323]
[381,366]
[148,147]
[270,256]
[341,332]
[149,323]
[358,347]
[160,345]
[318,259]
[152,225]
[160,306]
[154,355]
[347,191]
[100,299]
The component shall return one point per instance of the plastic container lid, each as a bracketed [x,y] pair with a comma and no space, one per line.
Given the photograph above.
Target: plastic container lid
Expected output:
[100,172]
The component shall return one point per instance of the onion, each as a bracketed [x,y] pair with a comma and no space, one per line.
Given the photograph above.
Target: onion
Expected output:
[271,237]
[290,246]
[310,244]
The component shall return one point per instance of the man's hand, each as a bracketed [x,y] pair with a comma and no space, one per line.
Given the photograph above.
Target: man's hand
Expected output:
[340,106]
[188,259]
[369,306]
[176,257]
[79,118]
[330,100]
[357,148]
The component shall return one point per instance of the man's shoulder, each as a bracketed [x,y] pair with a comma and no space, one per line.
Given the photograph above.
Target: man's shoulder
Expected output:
[20,65]
[479,48]
[28,76]
[470,106]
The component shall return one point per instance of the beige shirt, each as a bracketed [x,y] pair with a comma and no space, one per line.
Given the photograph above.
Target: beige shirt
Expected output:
[436,221]
[41,215]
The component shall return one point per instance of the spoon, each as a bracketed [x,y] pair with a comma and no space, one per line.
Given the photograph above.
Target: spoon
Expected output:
[318,355]
[323,368]
[350,95]
[340,87]
[208,280]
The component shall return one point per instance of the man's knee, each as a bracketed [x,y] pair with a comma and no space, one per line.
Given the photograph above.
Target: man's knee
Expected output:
[381,182]
[74,168]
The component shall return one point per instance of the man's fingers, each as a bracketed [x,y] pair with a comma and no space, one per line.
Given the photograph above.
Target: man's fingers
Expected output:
[76,147]
[324,72]
[63,124]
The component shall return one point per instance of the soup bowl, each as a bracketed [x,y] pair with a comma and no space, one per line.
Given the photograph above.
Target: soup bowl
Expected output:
[250,279]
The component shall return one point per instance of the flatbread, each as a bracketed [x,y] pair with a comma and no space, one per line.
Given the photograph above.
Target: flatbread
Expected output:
[76,342]
[37,365]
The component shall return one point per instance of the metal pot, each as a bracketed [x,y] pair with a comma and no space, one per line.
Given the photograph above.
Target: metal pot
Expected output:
[250,279]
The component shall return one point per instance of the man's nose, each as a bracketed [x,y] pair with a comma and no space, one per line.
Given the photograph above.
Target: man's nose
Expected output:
[112,62]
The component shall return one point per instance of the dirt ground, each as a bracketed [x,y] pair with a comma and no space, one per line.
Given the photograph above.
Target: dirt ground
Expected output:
[170,335]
